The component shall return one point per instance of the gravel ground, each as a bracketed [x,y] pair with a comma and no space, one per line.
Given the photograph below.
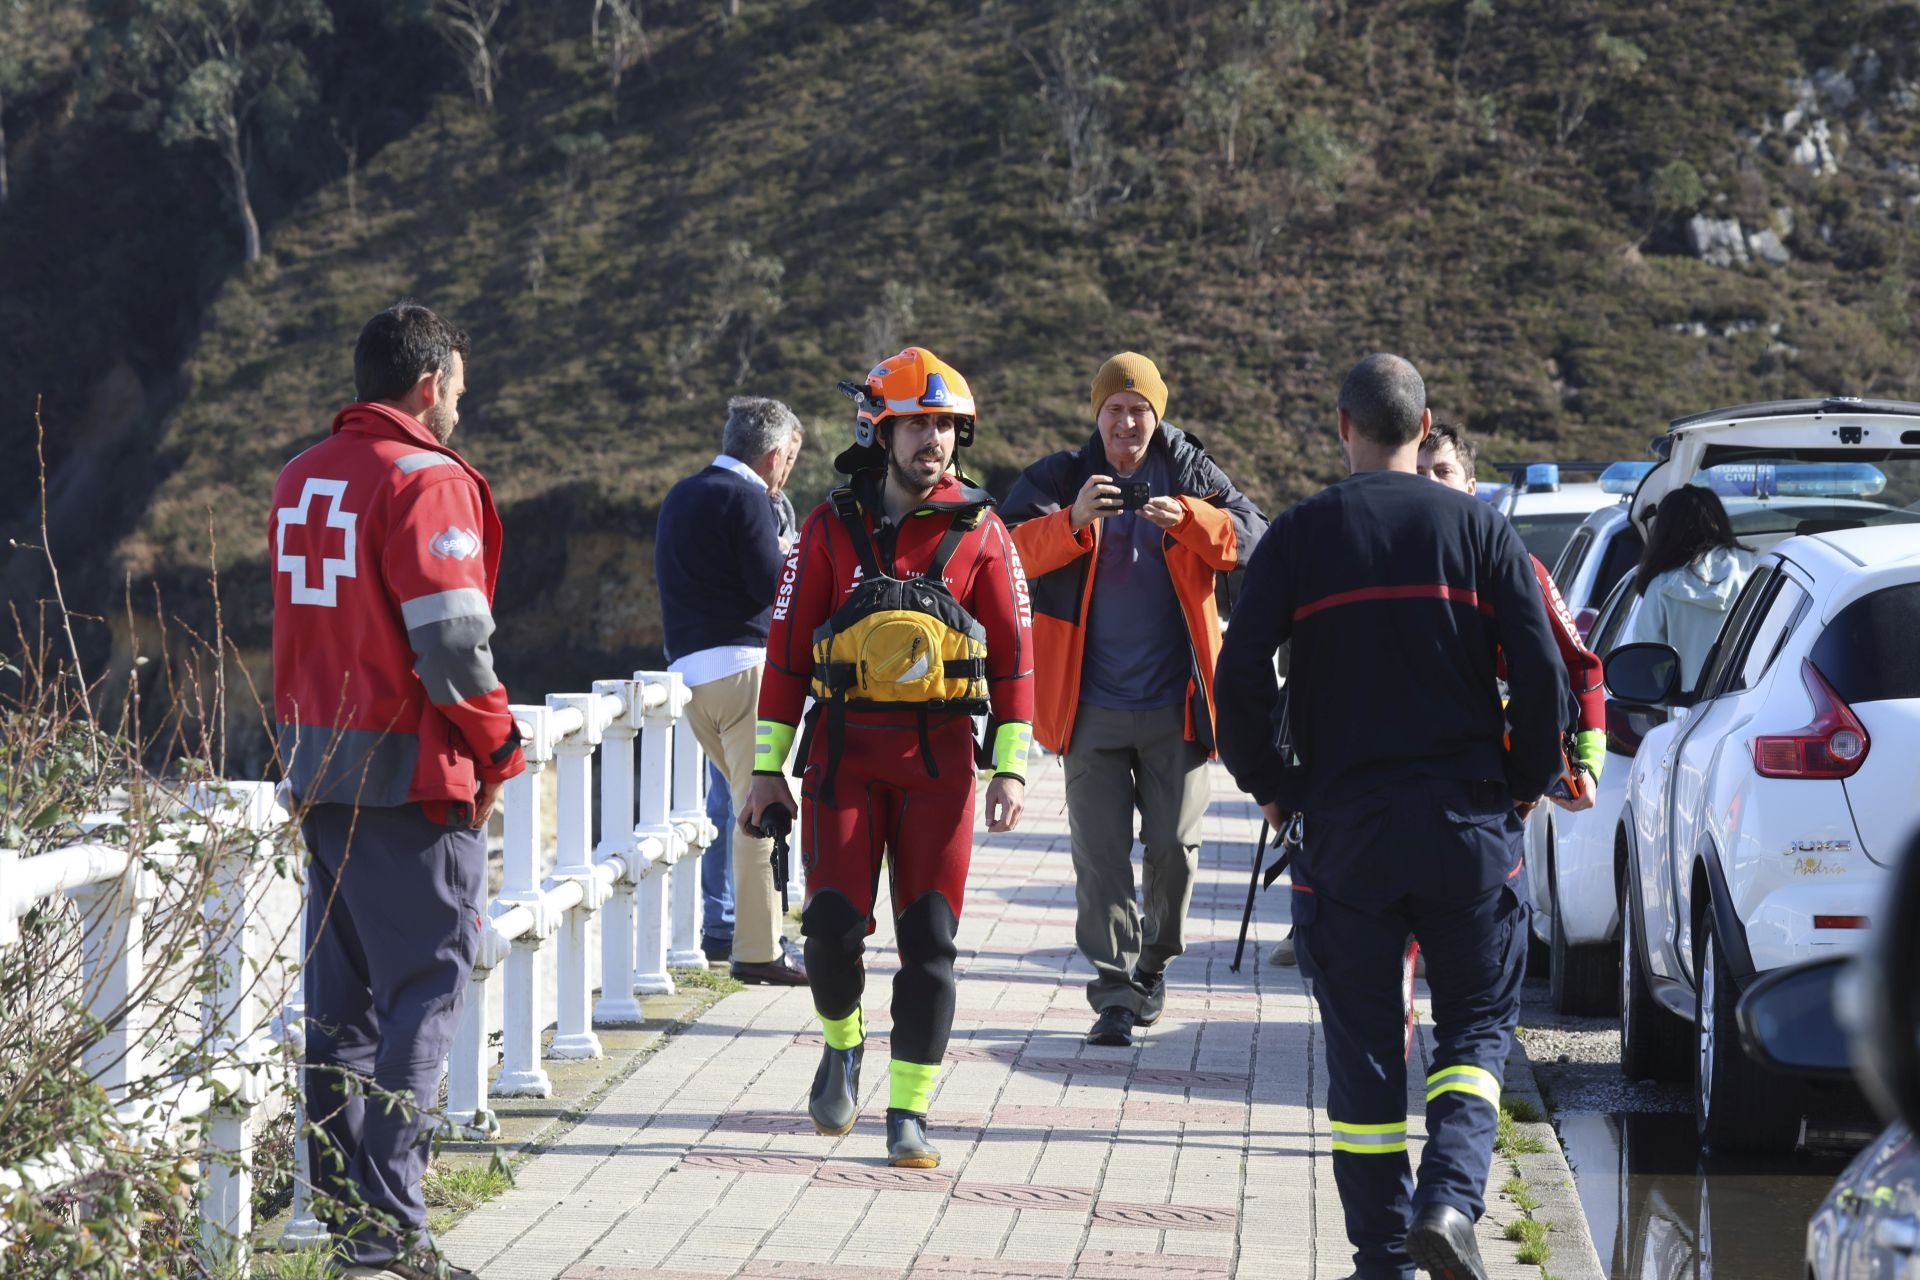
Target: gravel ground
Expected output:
[1577,1061]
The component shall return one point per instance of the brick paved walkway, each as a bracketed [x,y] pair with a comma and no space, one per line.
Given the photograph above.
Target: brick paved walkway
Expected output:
[1200,1153]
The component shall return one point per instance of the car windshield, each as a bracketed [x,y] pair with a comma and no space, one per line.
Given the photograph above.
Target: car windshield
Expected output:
[1797,492]
[1546,534]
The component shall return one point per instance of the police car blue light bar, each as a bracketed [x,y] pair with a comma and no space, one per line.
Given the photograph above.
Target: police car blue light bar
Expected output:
[1542,477]
[1625,477]
[1795,479]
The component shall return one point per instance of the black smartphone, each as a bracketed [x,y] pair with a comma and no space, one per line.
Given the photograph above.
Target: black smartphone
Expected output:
[1134,495]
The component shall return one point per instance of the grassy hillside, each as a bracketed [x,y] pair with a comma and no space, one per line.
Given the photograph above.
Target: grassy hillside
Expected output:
[1255,193]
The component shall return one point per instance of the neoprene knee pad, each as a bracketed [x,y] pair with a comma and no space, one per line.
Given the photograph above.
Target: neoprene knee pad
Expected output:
[925,931]
[830,917]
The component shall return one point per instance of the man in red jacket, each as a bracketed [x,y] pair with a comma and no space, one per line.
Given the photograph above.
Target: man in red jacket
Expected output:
[1447,455]
[394,736]
[904,610]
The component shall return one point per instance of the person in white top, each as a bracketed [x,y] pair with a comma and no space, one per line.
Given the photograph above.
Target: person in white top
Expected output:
[1690,574]
[718,560]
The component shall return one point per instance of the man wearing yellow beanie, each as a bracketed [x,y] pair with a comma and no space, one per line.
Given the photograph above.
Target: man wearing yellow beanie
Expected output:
[1123,540]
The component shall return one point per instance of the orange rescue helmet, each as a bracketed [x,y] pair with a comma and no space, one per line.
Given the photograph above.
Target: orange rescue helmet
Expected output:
[915,381]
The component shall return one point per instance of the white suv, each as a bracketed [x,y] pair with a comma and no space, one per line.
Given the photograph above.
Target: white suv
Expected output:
[1571,871]
[1542,510]
[1758,821]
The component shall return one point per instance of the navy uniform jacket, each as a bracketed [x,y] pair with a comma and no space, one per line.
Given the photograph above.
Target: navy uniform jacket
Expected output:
[1398,595]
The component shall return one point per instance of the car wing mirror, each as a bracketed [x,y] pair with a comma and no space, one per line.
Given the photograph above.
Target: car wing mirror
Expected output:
[1880,1001]
[1787,1019]
[1645,675]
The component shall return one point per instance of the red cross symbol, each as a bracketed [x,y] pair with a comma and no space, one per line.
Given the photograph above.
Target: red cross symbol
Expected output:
[311,540]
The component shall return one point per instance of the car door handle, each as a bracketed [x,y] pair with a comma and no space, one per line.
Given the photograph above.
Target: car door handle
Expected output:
[1897,1235]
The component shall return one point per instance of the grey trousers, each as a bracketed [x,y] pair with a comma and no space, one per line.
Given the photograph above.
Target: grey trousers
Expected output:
[1117,762]
[394,909]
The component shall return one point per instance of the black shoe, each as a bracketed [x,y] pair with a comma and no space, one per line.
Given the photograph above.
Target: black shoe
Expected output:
[1153,994]
[716,951]
[834,1103]
[413,1266]
[787,971]
[1441,1243]
[907,1145]
[1113,1027]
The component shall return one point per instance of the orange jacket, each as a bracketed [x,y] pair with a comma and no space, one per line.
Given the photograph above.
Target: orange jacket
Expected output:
[1220,531]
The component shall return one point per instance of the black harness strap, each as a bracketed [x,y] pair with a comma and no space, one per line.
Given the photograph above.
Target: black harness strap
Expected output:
[964,523]
[847,507]
[841,677]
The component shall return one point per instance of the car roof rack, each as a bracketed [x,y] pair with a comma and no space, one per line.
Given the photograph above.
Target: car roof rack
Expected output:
[1786,408]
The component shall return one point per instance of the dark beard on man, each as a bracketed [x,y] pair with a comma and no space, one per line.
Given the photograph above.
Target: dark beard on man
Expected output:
[905,478]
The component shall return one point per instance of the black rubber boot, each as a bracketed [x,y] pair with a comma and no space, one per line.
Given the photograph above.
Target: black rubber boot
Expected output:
[907,1145]
[835,1101]
[1441,1244]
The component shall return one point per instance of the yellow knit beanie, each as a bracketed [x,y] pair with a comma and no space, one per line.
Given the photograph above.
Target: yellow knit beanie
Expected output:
[1130,371]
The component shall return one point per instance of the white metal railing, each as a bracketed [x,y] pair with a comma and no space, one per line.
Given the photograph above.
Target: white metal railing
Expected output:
[640,884]
[114,892]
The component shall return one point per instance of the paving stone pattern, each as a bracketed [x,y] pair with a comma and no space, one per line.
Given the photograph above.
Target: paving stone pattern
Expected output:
[1199,1154]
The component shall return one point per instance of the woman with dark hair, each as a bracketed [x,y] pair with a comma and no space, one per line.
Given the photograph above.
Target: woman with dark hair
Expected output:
[1690,574]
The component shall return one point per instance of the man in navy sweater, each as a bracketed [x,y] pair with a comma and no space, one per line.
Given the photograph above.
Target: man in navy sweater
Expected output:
[1399,596]
[717,558]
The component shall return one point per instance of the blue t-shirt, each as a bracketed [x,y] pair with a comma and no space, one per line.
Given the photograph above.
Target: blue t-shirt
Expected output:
[1138,655]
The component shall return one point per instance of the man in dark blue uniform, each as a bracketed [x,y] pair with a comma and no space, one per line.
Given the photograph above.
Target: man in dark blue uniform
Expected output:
[1398,595]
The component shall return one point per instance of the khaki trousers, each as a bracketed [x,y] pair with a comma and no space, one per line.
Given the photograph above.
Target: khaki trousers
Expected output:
[723,713]
[1116,761]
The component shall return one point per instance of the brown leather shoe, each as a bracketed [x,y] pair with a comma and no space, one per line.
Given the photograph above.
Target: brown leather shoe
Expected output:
[788,971]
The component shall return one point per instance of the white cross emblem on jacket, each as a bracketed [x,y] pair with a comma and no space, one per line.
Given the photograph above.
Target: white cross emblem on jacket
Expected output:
[331,569]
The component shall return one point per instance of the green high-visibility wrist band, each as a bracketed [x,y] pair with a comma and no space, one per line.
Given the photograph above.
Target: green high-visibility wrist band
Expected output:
[1590,751]
[1012,743]
[771,743]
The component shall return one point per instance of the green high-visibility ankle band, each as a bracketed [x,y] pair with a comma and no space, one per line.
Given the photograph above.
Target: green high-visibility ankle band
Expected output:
[844,1033]
[910,1085]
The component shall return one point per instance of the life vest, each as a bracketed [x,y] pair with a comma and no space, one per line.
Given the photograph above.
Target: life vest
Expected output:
[898,644]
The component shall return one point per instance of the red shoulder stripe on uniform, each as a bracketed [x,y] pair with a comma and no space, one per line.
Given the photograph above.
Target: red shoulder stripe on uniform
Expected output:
[1423,591]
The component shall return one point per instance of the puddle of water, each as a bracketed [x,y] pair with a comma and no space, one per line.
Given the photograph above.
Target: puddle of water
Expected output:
[1658,1213]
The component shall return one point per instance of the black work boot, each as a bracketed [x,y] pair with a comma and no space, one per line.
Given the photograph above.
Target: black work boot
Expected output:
[907,1145]
[835,1101]
[1114,1027]
[1441,1244]
[1153,994]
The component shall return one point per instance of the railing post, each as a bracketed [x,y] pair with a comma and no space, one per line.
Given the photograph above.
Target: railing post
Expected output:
[521,1075]
[656,798]
[617,1005]
[113,946]
[303,1228]
[696,833]
[240,817]
[573,1035]
[468,1117]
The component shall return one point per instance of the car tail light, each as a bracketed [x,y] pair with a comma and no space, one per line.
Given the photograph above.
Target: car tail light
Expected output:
[1839,922]
[1832,746]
